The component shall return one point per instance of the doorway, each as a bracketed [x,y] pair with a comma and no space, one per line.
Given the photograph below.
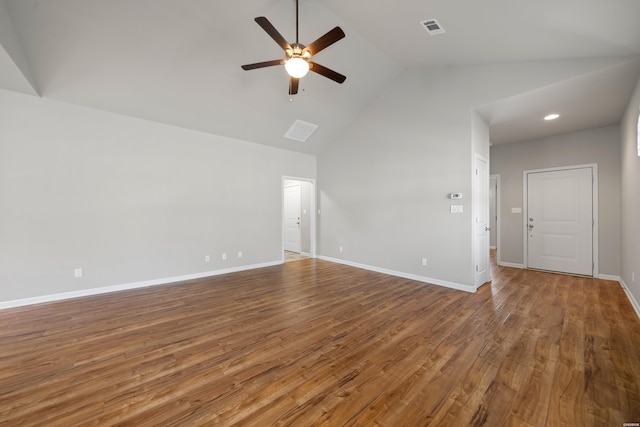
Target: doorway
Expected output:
[292,212]
[481,221]
[298,221]
[494,216]
[561,220]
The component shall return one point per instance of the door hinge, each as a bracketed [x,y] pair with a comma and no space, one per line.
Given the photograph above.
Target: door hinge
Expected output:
[476,171]
[477,268]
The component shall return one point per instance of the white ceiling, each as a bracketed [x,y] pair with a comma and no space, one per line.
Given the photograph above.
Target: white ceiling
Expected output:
[178,62]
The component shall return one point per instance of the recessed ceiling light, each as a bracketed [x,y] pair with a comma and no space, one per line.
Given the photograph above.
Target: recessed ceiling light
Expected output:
[552,116]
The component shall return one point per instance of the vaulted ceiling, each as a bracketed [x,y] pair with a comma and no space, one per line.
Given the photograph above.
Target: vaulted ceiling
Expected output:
[178,62]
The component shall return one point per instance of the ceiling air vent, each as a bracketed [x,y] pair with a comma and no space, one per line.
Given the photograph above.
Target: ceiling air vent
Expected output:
[432,26]
[300,130]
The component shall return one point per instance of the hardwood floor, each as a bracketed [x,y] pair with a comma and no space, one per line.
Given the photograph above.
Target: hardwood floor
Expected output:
[316,343]
[293,256]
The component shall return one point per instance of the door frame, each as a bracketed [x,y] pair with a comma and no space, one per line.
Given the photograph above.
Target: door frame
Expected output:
[312,213]
[478,279]
[295,203]
[594,229]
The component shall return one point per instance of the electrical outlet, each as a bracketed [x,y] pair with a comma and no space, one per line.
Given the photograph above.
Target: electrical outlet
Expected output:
[424,262]
[77,273]
[224,255]
[340,248]
[207,258]
[239,254]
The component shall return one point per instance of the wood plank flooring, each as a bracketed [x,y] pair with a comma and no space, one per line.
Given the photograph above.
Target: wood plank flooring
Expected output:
[311,343]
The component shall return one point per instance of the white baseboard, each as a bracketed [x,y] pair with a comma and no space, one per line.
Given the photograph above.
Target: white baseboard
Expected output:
[609,277]
[128,286]
[510,264]
[451,285]
[633,301]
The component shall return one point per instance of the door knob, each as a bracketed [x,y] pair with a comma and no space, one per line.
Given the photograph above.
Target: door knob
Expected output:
[487,229]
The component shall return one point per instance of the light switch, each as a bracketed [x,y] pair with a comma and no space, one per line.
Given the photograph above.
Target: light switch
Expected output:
[516,210]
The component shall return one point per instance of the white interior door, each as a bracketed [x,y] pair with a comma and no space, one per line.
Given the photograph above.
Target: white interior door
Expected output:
[560,220]
[292,203]
[481,221]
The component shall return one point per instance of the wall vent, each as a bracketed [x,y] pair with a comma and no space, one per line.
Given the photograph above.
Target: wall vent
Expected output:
[432,26]
[300,130]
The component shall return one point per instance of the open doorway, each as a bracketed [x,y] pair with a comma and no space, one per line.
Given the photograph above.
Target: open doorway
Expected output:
[494,218]
[494,214]
[298,221]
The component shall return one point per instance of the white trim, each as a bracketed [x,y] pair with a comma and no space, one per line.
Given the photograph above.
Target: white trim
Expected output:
[129,286]
[609,277]
[431,281]
[312,213]
[634,303]
[595,208]
[510,264]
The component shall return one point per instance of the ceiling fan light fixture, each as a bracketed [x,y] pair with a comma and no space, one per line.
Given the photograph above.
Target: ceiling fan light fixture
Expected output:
[297,67]
[296,61]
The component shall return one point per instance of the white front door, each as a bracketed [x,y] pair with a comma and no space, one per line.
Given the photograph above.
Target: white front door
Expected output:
[481,221]
[292,203]
[560,220]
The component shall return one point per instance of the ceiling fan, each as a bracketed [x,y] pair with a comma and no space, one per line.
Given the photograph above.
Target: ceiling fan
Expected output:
[297,56]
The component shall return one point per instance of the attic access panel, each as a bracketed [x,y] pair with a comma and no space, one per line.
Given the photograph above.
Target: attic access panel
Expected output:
[300,130]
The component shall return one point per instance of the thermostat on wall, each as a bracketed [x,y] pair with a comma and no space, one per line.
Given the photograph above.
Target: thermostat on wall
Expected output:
[456,195]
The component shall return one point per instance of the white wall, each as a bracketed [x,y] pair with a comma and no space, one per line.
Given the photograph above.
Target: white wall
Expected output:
[601,146]
[129,200]
[630,187]
[383,185]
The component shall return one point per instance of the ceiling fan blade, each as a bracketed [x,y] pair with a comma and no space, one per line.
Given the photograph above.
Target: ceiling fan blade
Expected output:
[325,41]
[263,64]
[293,85]
[328,73]
[271,30]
